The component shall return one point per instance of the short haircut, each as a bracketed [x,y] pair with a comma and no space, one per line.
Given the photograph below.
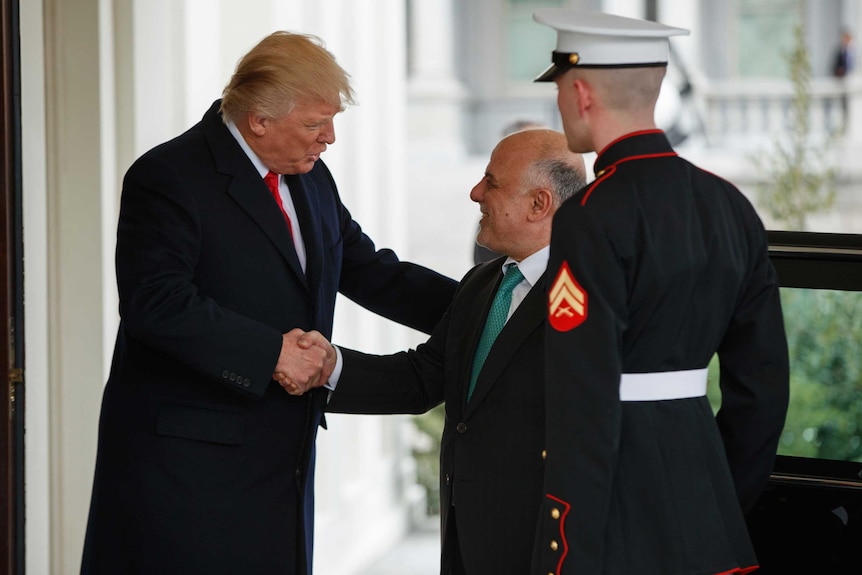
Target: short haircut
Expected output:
[554,167]
[281,70]
[627,89]
[563,177]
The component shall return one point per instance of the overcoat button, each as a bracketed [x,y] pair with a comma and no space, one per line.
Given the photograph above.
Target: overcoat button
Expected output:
[461,427]
[554,545]
[232,377]
[246,382]
[224,374]
[544,454]
[555,513]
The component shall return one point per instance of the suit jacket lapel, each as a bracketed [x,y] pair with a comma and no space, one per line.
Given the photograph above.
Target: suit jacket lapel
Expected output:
[529,316]
[305,200]
[474,324]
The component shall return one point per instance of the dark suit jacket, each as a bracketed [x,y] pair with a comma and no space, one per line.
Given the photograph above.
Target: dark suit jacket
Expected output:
[205,465]
[491,453]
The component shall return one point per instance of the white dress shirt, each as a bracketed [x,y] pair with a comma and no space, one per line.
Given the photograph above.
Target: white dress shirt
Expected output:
[283,191]
[532,267]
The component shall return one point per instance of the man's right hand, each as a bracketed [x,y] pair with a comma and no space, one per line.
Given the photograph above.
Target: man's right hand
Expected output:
[306,361]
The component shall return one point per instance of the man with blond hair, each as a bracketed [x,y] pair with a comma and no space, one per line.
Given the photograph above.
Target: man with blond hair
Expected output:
[232,241]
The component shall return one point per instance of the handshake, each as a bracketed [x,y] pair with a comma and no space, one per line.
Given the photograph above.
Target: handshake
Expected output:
[306,361]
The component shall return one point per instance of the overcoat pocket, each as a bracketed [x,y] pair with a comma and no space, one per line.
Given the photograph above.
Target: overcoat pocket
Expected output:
[200,422]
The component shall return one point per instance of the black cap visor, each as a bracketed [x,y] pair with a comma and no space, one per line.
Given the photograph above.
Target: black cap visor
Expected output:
[561,61]
[550,74]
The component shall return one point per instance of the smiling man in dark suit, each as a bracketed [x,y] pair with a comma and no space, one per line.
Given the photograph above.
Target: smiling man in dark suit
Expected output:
[491,452]
[232,240]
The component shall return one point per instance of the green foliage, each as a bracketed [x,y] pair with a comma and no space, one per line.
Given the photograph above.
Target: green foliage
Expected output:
[824,419]
[713,392]
[823,332]
[427,458]
[798,179]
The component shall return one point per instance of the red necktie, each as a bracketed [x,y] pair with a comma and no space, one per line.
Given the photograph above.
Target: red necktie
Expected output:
[271,179]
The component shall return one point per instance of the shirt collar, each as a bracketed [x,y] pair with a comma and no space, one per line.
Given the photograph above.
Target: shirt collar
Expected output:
[532,267]
[263,170]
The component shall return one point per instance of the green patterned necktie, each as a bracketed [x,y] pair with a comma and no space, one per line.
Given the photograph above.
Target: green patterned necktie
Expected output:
[496,320]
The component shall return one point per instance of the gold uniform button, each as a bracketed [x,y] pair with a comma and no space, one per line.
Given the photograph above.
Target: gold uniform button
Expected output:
[554,545]
[544,454]
[555,513]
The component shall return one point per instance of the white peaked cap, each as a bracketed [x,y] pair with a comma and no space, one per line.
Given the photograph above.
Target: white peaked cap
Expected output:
[597,40]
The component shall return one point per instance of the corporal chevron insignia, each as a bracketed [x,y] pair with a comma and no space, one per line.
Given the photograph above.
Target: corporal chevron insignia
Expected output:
[567,301]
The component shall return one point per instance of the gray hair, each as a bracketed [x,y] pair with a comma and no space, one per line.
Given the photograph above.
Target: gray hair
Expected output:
[564,177]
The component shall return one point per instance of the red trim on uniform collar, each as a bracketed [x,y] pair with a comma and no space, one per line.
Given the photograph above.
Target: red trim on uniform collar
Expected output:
[629,135]
[605,173]
[602,176]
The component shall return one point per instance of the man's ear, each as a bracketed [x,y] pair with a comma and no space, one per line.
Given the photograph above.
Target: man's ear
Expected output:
[542,205]
[585,95]
[256,123]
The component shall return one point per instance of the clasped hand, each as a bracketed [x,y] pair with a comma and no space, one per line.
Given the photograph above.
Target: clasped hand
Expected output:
[306,361]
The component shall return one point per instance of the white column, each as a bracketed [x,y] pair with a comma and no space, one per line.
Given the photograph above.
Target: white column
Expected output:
[158,66]
[206,67]
[111,180]
[75,192]
[684,15]
[436,93]
[38,501]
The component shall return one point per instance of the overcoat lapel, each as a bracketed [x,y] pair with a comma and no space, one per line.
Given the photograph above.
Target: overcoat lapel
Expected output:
[529,316]
[254,197]
[247,188]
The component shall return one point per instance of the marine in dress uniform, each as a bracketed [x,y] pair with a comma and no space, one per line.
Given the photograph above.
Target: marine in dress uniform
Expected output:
[654,267]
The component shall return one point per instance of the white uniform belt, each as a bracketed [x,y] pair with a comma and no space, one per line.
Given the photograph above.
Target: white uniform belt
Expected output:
[661,385]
